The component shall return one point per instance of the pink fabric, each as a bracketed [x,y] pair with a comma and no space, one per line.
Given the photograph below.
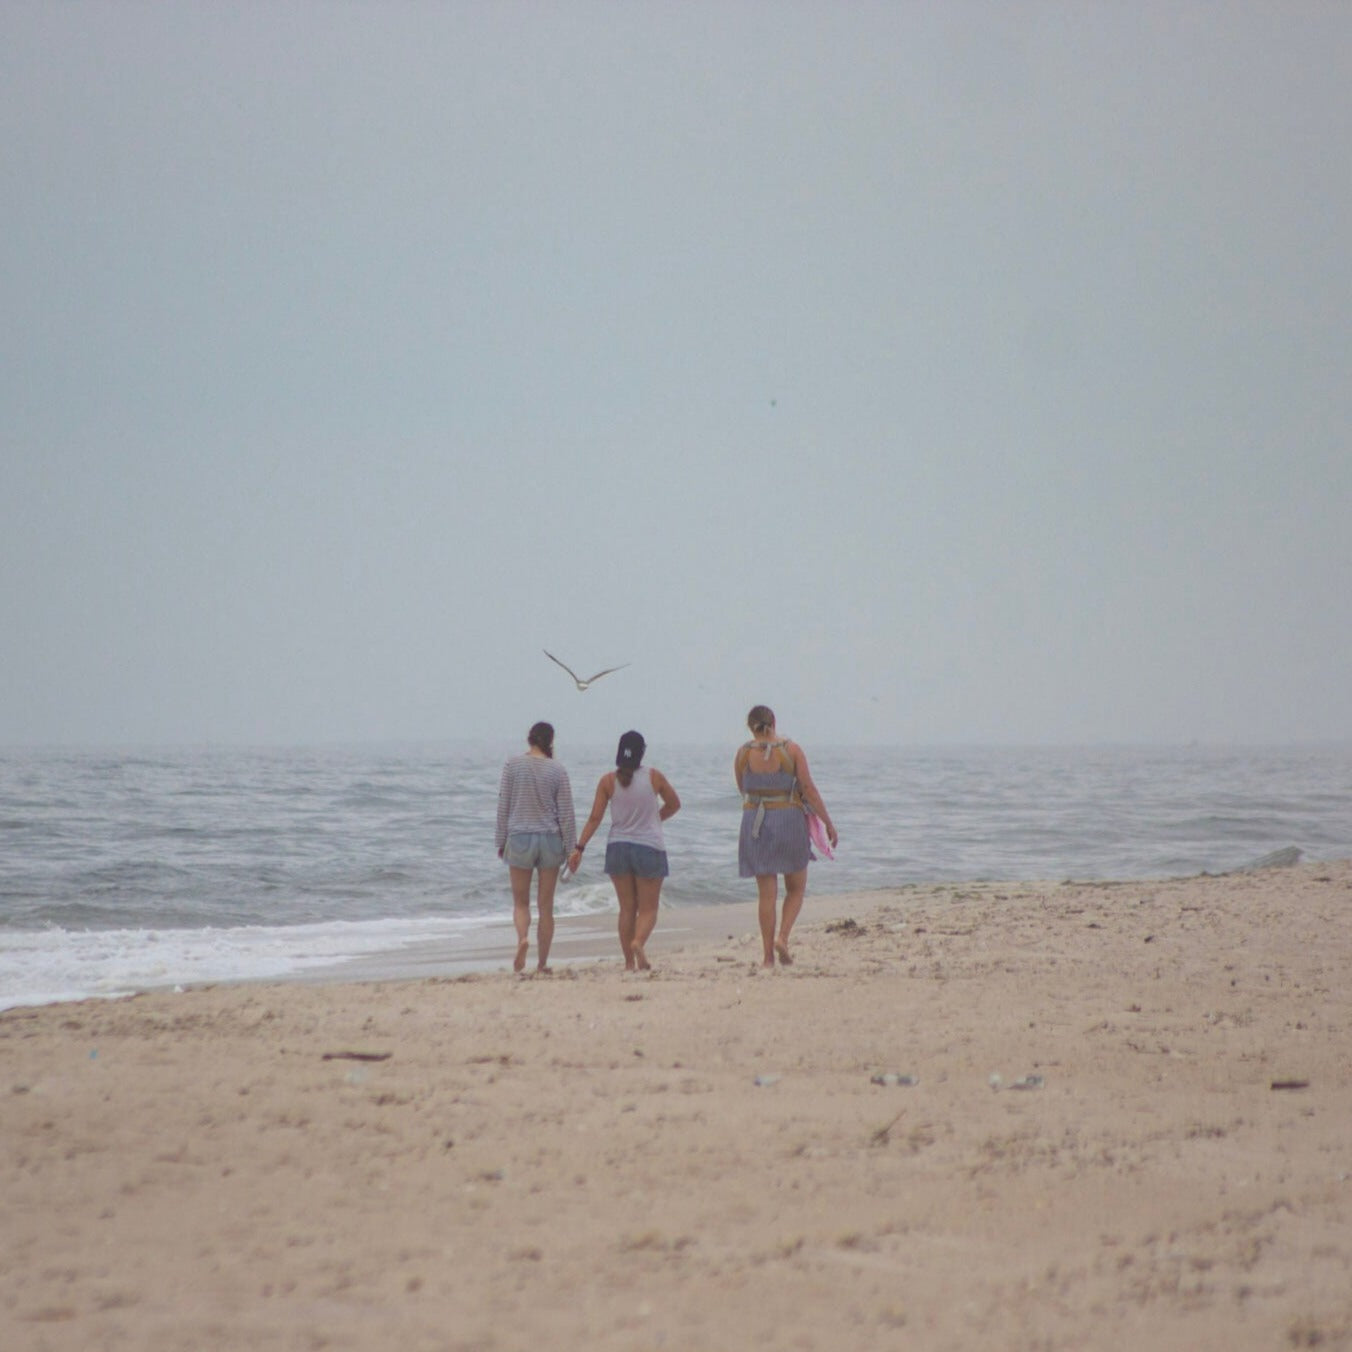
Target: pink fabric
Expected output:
[816,833]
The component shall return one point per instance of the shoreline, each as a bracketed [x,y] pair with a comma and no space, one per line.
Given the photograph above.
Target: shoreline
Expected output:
[1064,1115]
[580,939]
[486,946]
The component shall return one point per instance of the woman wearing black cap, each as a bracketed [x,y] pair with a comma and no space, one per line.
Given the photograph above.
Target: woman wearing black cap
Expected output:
[636,858]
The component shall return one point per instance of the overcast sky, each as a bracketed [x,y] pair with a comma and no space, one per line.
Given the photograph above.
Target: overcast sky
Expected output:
[932,372]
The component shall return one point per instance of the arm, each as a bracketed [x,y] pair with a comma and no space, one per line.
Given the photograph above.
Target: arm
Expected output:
[504,810]
[605,787]
[671,800]
[739,765]
[808,788]
[567,822]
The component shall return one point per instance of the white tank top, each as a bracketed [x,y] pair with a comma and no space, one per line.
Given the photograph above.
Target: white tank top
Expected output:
[634,812]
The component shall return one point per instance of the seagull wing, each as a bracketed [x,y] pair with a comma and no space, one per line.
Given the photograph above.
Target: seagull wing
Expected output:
[607,672]
[564,665]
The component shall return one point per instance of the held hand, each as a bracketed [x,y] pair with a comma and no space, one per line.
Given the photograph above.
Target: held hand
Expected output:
[832,837]
[575,860]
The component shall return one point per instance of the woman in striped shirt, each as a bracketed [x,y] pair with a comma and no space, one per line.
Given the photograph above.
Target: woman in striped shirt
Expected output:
[536,832]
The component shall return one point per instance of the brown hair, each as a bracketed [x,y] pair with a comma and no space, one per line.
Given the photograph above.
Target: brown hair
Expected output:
[541,735]
[761,718]
[629,756]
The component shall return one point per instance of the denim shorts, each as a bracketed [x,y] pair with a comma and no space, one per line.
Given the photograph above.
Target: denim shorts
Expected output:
[624,857]
[534,849]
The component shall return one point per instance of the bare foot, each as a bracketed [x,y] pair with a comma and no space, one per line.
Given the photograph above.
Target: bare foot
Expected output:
[785,957]
[542,970]
[519,962]
[641,958]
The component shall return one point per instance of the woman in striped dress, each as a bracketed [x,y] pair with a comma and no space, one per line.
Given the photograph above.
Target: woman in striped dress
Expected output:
[774,781]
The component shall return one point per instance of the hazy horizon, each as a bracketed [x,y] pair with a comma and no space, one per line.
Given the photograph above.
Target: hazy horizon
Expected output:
[938,375]
[505,740]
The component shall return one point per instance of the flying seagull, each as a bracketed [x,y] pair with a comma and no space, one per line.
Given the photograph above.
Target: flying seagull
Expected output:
[581,684]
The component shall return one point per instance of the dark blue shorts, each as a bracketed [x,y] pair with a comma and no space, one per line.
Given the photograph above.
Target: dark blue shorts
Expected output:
[624,857]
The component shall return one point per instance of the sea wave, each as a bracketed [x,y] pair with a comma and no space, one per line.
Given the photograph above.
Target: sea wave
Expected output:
[123,871]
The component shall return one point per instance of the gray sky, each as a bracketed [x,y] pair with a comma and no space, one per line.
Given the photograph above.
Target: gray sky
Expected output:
[933,373]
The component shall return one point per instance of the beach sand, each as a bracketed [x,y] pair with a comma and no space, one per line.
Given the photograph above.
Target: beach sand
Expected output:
[701,1159]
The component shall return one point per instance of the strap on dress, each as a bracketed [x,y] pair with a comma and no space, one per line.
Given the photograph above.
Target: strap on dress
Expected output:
[761,797]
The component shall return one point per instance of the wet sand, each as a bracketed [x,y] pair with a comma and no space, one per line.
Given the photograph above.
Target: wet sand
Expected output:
[1128,1128]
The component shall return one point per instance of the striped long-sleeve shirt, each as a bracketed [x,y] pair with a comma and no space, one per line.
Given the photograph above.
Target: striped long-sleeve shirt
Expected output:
[534,795]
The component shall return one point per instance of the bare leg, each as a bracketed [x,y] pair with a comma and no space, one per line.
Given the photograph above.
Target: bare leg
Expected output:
[795,889]
[544,930]
[767,893]
[649,894]
[627,895]
[521,913]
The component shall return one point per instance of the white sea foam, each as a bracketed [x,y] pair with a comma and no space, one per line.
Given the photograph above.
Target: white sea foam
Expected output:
[49,965]
[52,964]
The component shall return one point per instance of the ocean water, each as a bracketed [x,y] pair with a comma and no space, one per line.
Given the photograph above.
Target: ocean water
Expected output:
[126,870]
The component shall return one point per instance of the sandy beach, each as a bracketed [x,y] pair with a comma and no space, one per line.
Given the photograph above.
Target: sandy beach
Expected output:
[1112,1115]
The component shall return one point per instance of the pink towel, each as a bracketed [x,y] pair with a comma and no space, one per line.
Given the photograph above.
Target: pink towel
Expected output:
[816,833]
